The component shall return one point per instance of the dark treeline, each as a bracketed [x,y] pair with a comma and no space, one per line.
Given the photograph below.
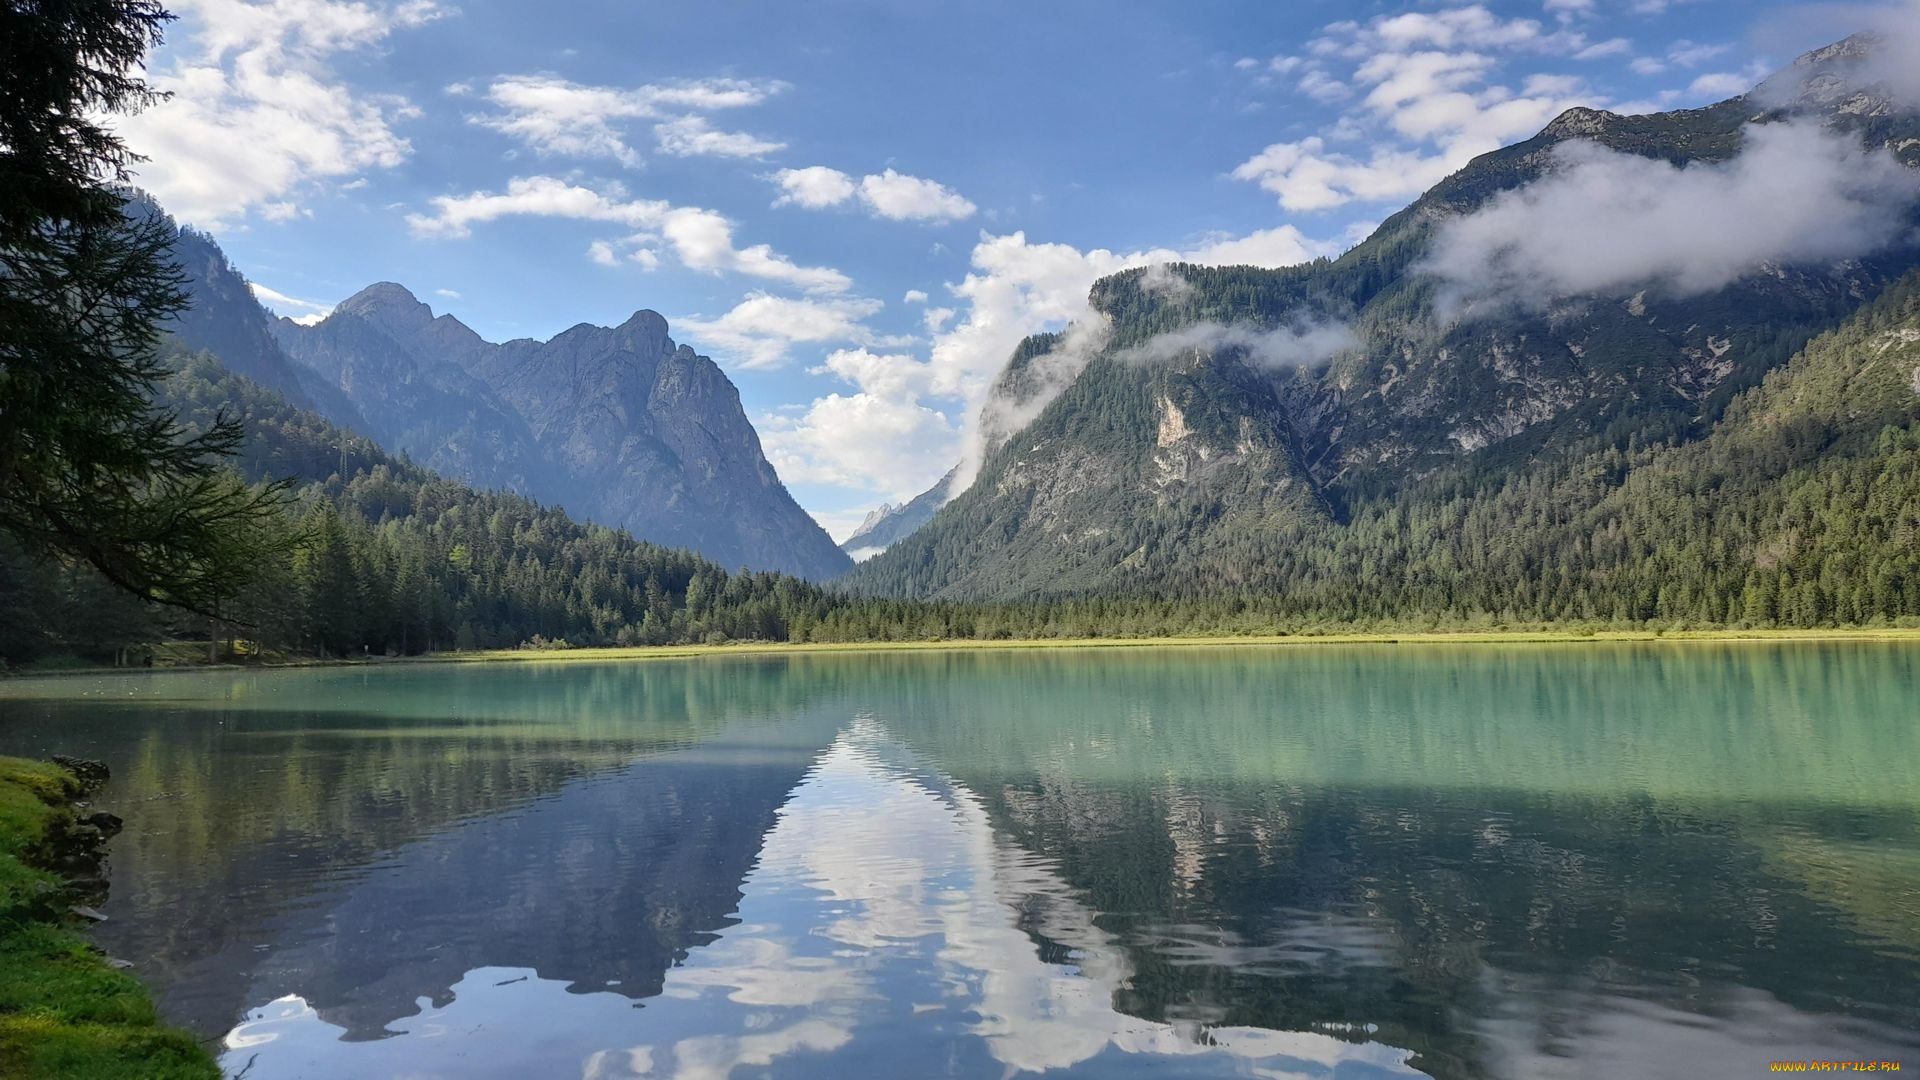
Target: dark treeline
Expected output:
[391,558]
[1802,508]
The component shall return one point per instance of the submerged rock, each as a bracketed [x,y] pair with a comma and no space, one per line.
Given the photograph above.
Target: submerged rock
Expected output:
[108,824]
[90,773]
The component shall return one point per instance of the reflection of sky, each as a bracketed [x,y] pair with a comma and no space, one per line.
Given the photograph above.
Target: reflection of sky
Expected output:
[1545,1029]
[878,933]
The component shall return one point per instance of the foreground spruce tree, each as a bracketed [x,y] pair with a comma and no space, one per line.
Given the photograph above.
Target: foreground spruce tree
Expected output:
[89,469]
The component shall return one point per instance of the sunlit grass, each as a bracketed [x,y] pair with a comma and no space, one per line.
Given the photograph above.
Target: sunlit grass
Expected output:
[1460,637]
[64,1014]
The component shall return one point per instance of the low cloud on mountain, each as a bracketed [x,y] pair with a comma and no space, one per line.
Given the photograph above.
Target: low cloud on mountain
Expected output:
[1301,343]
[1604,221]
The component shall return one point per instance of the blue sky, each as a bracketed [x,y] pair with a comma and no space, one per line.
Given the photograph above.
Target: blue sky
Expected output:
[857,207]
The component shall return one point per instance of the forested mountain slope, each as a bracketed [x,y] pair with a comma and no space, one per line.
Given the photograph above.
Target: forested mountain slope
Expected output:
[618,424]
[394,558]
[1347,438]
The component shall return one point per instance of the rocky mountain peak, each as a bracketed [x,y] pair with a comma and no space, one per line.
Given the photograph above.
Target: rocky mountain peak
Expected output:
[618,423]
[1580,122]
[645,321]
[1859,76]
[390,306]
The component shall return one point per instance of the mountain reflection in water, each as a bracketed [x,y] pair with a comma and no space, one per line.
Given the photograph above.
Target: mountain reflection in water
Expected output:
[884,912]
[1466,863]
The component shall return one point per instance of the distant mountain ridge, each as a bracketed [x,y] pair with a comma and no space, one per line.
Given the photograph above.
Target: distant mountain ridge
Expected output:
[620,425]
[888,524]
[1205,469]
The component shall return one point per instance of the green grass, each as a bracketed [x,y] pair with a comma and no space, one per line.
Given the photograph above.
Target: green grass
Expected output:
[64,1014]
[1301,638]
[1421,637]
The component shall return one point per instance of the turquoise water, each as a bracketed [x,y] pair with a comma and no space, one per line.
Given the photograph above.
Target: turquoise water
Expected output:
[1680,860]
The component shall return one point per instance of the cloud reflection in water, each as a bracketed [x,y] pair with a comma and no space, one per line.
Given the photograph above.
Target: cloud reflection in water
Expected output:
[883,922]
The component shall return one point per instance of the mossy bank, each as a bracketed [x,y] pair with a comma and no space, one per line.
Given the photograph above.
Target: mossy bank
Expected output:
[65,1012]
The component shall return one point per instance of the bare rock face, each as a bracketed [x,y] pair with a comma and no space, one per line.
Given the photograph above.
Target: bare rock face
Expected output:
[1179,473]
[618,424]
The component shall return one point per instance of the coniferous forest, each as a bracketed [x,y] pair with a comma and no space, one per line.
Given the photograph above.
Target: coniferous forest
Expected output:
[1800,509]
[1747,456]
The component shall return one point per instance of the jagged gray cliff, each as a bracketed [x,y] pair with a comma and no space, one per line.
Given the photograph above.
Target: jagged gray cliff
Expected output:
[1253,427]
[618,424]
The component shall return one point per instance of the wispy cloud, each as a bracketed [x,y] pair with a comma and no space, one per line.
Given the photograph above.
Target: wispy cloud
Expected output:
[761,330]
[891,195]
[702,239]
[562,118]
[1605,221]
[259,117]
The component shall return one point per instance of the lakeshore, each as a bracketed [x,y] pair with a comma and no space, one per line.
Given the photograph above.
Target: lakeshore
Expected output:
[479,869]
[66,1012]
[772,648]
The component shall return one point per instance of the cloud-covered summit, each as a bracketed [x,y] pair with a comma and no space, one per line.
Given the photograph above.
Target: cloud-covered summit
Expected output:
[1604,221]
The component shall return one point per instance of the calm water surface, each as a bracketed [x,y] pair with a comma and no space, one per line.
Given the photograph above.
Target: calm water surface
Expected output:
[1458,862]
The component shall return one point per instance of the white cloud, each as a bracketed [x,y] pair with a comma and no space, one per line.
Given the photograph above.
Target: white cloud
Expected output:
[702,239]
[914,296]
[555,116]
[293,307]
[1684,54]
[1432,94]
[865,441]
[899,197]
[760,331]
[1163,280]
[533,196]
[1604,221]
[1894,63]
[1306,176]
[691,136]
[562,118]
[891,195]
[1430,101]
[1323,87]
[813,187]
[882,438]
[1720,84]
[1301,342]
[1689,54]
[1611,47]
[1014,288]
[1470,27]
[259,117]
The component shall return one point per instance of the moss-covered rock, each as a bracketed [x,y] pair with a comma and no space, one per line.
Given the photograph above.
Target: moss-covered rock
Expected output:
[65,1014]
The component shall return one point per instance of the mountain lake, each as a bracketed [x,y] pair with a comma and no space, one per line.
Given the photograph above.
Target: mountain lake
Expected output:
[1459,861]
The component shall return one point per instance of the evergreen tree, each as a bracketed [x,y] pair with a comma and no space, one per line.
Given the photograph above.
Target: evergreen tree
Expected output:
[89,468]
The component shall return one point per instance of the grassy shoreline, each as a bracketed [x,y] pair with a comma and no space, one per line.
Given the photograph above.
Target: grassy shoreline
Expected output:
[65,1013]
[1299,640]
[1441,637]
